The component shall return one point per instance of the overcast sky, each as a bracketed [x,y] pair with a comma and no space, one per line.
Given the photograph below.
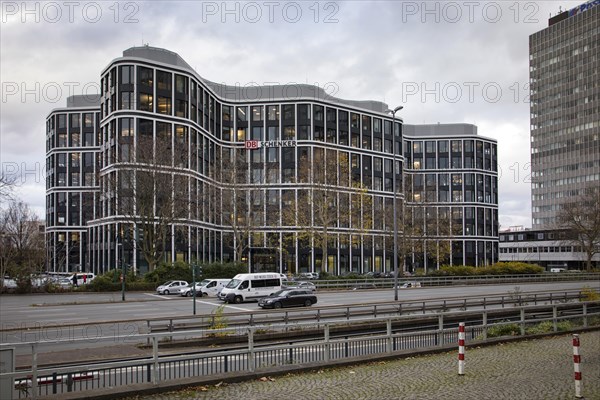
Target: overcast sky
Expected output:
[447,62]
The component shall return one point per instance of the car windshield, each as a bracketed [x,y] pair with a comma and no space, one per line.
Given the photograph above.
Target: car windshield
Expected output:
[233,284]
[167,283]
[203,283]
[279,293]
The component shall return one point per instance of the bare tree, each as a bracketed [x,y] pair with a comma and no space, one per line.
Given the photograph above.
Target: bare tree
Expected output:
[153,195]
[22,251]
[328,198]
[236,200]
[7,184]
[581,219]
[425,229]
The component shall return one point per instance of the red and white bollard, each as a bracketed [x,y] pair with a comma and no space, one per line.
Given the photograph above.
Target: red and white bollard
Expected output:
[576,361]
[461,348]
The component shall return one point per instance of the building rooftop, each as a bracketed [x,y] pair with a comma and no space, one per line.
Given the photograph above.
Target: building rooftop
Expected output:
[238,93]
[83,100]
[440,130]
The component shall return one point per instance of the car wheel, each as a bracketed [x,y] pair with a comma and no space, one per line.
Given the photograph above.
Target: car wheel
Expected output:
[237,299]
[189,293]
[307,303]
[166,291]
[277,305]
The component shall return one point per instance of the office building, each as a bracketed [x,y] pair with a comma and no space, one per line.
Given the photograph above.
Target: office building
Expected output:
[192,170]
[453,173]
[565,110]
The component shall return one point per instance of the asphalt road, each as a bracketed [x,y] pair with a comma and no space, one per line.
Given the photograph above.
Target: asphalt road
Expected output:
[30,311]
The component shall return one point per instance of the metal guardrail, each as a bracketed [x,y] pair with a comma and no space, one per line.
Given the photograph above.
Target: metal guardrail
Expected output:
[358,310]
[429,281]
[157,368]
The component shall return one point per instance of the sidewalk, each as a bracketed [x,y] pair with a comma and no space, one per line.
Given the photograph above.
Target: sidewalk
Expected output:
[533,369]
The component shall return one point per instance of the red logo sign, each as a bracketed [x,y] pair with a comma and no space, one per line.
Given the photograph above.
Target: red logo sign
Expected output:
[251,144]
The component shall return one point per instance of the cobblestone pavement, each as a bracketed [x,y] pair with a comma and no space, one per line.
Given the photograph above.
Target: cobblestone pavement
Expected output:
[534,369]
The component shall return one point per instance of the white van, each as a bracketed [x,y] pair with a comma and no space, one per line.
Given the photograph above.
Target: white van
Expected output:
[207,287]
[246,287]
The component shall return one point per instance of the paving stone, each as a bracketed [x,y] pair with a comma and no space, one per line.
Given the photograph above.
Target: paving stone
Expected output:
[533,369]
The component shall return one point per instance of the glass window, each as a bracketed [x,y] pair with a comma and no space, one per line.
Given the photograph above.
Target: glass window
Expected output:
[303,112]
[443,146]
[318,113]
[273,133]
[181,84]
[145,103]
[146,76]
[355,120]
[258,113]
[288,112]
[242,114]
[273,113]
[430,146]
[164,105]
[417,147]
[226,113]
[126,100]
[126,74]
[456,146]
[163,80]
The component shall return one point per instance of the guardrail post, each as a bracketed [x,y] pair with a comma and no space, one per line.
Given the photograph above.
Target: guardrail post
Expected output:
[155,376]
[34,375]
[502,301]
[149,330]
[585,318]
[484,303]
[251,349]
[554,318]
[522,321]
[69,382]
[54,387]
[348,313]
[375,310]
[484,325]
[389,334]
[327,344]
[440,334]
[423,307]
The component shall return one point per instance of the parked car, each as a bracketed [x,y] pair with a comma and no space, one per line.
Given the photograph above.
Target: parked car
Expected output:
[171,287]
[208,287]
[288,298]
[309,275]
[407,285]
[302,285]
[361,286]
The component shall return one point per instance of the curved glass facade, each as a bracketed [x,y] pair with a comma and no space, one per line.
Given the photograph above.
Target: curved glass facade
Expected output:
[274,176]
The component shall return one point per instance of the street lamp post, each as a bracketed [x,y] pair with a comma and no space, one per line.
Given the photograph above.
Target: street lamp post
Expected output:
[394,111]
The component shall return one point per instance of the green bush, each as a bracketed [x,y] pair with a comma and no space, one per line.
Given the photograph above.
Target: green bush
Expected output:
[504,330]
[222,270]
[548,327]
[458,270]
[179,270]
[501,268]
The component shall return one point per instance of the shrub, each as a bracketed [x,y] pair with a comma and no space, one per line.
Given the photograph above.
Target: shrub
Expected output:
[222,270]
[504,330]
[167,272]
[548,326]
[589,294]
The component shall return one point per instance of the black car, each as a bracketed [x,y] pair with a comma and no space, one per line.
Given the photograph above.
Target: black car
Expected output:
[288,298]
